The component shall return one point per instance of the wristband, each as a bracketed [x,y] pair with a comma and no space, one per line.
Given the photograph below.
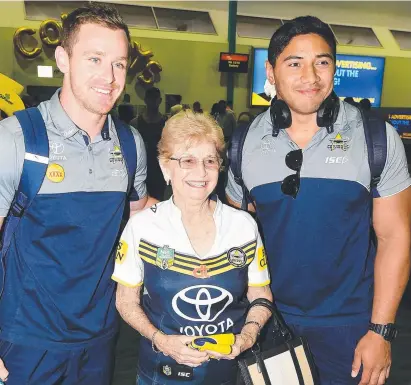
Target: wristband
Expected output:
[153,345]
[254,323]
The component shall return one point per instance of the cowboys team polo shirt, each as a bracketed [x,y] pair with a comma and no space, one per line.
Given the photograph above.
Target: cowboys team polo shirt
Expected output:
[188,294]
[318,245]
[57,287]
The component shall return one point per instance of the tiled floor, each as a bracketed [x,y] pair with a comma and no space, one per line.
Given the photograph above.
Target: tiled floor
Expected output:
[127,351]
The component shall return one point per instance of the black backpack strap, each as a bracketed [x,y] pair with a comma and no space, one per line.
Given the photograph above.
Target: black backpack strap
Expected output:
[128,147]
[375,131]
[235,156]
[36,159]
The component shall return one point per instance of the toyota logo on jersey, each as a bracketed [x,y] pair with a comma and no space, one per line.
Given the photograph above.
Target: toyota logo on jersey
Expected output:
[201,302]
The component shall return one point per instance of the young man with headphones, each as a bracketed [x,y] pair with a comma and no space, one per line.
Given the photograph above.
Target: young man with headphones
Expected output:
[305,165]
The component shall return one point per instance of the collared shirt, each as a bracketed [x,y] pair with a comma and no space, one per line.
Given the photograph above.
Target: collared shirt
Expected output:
[82,165]
[188,294]
[318,245]
[56,291]
[162,225]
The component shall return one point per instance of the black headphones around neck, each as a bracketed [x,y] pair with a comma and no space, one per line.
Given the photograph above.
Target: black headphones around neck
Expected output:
[326,115]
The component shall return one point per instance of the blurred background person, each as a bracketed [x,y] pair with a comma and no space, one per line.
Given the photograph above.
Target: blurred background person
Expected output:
[197,108]
[177,106]
[226,120]
[150,126]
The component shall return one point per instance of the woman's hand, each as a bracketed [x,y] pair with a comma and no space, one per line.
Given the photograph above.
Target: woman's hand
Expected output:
[243,341]
[176,347]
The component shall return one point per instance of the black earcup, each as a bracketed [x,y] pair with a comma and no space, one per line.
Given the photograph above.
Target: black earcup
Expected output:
[280,115]
[328,112]
[326,115]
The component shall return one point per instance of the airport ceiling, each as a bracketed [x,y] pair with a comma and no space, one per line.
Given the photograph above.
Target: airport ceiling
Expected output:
[400,8]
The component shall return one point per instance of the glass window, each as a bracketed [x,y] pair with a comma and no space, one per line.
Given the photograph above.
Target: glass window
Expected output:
[257,27]
[185,21]
[361,36]
[403,39]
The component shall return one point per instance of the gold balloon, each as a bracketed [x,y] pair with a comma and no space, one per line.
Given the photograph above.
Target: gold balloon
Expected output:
[18,44]
[63,16]
[56,27]
[150,71]
[138,53]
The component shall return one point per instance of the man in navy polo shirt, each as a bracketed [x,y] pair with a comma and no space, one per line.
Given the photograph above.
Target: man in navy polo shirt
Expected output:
[306,167]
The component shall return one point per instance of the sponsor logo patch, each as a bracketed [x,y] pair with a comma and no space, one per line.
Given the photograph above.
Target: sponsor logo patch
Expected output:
[336,159]
[267,145]
[56,150]
[121,252]
[261,259]
[201,302]
[55,173]
[201,272]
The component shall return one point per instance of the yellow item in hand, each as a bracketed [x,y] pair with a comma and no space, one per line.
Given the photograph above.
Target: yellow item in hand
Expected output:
[220,343]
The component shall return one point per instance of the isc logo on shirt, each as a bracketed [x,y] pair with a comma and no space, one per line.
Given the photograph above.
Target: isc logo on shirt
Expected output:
[262,259]
[121,252]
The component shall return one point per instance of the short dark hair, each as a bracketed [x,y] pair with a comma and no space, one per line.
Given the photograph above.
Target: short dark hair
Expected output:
[152,92]
[93,13]
[302,25]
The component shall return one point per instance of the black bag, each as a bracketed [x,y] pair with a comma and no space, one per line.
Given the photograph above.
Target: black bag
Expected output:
[288,362]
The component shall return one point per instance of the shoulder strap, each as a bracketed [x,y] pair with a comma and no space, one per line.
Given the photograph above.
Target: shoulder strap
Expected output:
[128,146]
[235,156]
[36,159]
[376,138]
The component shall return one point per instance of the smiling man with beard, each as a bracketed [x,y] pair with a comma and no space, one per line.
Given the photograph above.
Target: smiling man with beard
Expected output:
[306,167]
[57,313]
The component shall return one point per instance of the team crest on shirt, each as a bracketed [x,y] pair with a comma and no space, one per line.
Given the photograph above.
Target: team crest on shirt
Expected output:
[237,257]
[116,155]
[339,142]
[165,257]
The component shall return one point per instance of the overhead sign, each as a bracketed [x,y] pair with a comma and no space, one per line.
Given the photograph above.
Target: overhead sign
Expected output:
[233,62]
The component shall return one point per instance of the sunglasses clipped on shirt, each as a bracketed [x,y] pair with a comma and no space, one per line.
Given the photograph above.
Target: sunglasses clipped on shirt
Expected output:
[291,184]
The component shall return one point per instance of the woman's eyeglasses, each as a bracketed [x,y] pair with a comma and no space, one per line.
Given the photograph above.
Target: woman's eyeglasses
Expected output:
[291,184]
[190,162]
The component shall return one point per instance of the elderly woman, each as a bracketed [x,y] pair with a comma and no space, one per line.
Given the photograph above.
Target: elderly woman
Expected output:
[199,261]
